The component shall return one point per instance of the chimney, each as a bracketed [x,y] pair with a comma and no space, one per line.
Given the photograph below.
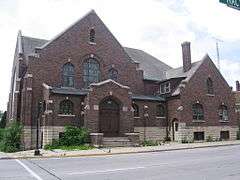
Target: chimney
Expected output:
[237,86]
[186,55]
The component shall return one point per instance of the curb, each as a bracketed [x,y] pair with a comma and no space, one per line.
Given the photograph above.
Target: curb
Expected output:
[117,153]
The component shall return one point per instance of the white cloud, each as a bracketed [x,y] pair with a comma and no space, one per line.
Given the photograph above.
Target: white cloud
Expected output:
[156,26]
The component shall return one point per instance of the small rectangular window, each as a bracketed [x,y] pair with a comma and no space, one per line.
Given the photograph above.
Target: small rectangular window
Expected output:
[198,136]
[165,88]
[224,135]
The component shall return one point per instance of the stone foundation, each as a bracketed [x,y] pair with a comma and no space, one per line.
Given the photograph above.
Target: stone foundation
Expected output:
[152,133]
[50,133]
[27,137]
[187,132]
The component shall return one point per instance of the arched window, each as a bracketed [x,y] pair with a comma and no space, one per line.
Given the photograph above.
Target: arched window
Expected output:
[91,72]
[92,36]
[223,113]
[68,75]
[160,110]
[66,107]
[209,86]
[135,110]
[113,74]
[198,113]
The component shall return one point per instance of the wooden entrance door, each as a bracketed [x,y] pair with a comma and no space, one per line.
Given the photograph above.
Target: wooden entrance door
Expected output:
[109,117]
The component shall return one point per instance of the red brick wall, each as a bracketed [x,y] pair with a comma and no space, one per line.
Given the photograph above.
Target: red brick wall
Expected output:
[196,90]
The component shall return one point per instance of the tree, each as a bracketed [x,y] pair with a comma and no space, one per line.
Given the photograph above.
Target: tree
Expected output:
[3,120]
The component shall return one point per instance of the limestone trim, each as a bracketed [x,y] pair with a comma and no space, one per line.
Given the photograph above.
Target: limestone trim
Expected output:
[108,81]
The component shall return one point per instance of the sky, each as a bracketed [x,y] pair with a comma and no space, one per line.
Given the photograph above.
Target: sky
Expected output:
[155,26]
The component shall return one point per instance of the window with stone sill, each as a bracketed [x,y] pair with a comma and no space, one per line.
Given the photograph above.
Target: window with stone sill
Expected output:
[135,110]
[198,113]
[165,88]
[113,74]
[160,111]
[68,75]
[91,72]
[92,36]
[66,107]
[223,113]
[210,89]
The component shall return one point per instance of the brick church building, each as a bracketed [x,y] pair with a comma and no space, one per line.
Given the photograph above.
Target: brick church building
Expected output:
[84,77]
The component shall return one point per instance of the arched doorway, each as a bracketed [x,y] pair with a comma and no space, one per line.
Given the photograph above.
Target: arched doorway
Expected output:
[109,117]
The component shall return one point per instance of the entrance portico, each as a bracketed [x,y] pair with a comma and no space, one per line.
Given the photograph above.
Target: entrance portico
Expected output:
[108,109]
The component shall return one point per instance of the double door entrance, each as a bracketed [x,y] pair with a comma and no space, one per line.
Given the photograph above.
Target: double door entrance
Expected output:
[109,116]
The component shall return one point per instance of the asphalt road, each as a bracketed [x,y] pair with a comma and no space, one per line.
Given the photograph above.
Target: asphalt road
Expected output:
[222,163]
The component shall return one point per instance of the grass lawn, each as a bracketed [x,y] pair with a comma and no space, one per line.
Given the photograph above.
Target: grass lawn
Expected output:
[70,148]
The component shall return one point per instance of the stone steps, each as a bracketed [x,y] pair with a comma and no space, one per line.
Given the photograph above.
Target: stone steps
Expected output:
[116,142]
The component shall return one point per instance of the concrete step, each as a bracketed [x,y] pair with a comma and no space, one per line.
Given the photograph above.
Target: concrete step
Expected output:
[117,142]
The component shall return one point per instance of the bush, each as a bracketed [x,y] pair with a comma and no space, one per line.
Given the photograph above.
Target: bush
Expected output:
[149,143]
[1,134]
[72,136]
[11,138]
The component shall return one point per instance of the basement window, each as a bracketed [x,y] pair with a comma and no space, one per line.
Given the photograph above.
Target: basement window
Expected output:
[224,135]
[199,136]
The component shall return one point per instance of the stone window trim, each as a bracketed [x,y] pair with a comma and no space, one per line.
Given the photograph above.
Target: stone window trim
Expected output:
[198,121]
[92,35]
[223,113]
[68,75]
[160,111]
[158,117]
[210,88]
[91,71]
[210,95]
[66,115]
[198,112]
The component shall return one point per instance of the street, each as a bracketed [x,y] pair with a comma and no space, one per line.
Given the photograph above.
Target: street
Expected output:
[221,163]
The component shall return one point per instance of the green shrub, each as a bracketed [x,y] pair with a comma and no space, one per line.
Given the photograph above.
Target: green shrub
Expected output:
[11,138]
[1,134]
[72,136]
[150,143]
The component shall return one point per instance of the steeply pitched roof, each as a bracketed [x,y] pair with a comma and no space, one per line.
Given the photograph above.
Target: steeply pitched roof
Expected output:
[29,44]
[153,69]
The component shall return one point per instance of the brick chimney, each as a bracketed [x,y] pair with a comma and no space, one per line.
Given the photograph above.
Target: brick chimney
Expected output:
[186,55]
[237,86]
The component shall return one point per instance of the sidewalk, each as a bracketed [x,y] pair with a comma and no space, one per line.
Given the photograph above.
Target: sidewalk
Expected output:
[120,150]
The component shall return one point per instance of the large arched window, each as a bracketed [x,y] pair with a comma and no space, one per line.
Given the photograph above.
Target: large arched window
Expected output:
[135,110]
[68,75]
[160,110]
[209,86]
[92,35]
[223,113]
[198,113]
[113,74]
[66,107]
[91,72]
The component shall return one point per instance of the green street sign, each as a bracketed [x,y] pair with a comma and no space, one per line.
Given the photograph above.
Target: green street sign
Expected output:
[231,3]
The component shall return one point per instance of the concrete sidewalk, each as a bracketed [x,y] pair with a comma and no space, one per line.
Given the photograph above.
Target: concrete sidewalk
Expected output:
[111,151]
